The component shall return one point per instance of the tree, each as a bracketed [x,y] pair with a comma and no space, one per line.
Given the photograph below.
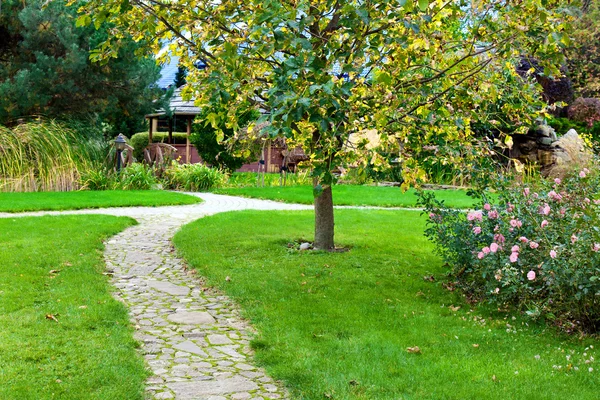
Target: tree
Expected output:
[45,69]
[204,138]
[583,55]
[323,69]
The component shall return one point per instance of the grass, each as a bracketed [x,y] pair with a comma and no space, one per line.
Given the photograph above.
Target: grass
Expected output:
[338,325]
[351,195]
[38,201]
[51,267]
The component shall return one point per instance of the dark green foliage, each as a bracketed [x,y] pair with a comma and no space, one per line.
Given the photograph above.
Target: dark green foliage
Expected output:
[180,77]
[45,69]
[204,137]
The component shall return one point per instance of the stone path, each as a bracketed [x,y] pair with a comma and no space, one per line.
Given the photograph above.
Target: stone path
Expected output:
[193,340]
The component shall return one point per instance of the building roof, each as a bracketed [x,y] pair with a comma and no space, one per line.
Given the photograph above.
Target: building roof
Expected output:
[178,106]
[168,72]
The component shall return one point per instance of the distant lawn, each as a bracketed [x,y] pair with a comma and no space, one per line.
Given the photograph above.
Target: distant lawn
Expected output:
[51,267]
[337,326]
[351,195]
[38,201]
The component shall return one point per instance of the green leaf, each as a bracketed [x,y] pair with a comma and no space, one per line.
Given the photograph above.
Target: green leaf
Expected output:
[83,20]
[423,4]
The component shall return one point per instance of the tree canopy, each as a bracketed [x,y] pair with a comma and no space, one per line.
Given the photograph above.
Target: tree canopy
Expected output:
[417,71]
[583,55]
[45,69]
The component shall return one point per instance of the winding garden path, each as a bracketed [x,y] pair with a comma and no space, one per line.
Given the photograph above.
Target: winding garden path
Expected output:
[193,340]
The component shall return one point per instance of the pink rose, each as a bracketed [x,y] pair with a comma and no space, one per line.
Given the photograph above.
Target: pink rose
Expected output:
[562,211]
[515,223]
[480,255]
[487,207]
[515,249]
[514,257]
[554,196]
[486,250]
[523,239]
[582,174]
[498,237]
[587,200]
[531,275]
[493,214]
[494,247]
[526,192]
[557,181]
[545,210]
[510,208]
[573,238]
[534,245]
[596,247]
[552,253]
[475,215]
[477,230]
[544,223]
[431,215]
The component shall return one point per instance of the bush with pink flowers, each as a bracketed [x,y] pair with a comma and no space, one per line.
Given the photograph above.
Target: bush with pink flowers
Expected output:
[536,250]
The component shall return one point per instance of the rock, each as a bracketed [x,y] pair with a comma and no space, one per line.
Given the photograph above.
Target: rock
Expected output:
[191,317]
[567,153]
[305,246]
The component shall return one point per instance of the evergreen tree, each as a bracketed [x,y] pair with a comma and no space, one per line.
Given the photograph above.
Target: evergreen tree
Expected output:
[45,69]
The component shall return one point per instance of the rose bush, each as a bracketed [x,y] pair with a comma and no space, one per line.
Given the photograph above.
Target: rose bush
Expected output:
[537,249]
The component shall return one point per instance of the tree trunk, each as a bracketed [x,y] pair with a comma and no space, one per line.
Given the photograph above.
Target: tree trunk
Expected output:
[324,220]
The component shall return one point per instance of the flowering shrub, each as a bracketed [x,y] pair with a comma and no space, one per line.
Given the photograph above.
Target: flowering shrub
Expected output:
[538,249]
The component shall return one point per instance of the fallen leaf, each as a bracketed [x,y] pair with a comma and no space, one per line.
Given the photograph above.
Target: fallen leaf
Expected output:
[52,317]
[58,381]
[54,271]
[454,308]
[137,327]
[494,378]
[67,264]
[414,350]
[475,345]
[228,278]
[82,307]
[429,278]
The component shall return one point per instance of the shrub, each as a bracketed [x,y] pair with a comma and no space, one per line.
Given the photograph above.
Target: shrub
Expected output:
[537,250]
[97,177]
[137,176]
[193,177]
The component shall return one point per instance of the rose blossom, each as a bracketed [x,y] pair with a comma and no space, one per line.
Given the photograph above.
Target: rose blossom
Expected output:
[477,230]
[510,208]
[573,238]
[498,237]
[514,257]
[545,210]
[554,196]
[493,214]
[534,245]
[486,250]
[557,181]
[526,192]
[494,247]
[523,239]
[544,223]
[552,253]
[480,255]
[582,174]
[596,247]
[475,215]
[531,275]
[515,223]
[487,207]
[515,249]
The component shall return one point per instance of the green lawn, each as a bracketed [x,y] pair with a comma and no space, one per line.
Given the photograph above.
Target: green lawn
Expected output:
[338,325]
[37,201]
[51,267]
[351,195]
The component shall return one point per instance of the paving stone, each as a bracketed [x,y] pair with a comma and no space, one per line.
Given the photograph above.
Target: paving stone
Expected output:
[219,339]
[169,288]
[191,317]
[191,347]
[191,390]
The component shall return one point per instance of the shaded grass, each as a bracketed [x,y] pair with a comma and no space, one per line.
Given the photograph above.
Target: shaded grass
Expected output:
[38,201]
[351,195]
[89,353]
[338,325]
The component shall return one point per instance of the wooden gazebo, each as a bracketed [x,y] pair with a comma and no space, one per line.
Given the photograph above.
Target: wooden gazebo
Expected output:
[179,109]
